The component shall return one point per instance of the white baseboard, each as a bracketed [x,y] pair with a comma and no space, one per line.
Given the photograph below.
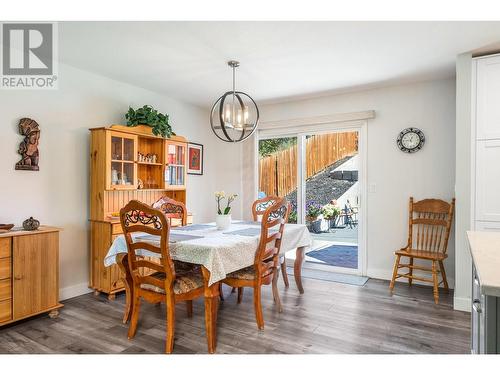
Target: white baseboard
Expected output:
[74,291]
[386,274]
[462,304]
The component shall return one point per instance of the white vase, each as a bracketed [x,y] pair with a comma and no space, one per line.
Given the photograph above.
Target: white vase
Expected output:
[223,221]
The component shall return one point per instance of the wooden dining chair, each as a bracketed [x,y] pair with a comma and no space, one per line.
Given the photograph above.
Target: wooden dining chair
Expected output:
[265,269]
[172,208]
[175,209]
[429,229]
[155,282]
[258,209]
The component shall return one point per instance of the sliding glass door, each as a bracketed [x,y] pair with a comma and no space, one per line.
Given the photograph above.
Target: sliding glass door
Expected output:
[278,167]
[319,174]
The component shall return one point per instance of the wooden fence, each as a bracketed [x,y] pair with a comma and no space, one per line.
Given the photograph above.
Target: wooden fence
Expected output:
[278,171]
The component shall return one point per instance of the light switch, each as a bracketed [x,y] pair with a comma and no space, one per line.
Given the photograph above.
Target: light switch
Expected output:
[372,187]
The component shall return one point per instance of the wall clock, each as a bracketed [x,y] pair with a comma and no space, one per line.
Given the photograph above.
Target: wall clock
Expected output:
[411,140]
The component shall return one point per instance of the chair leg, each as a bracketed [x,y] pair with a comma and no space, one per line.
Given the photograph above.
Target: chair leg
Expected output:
[435,278]
[257,303]
[443,275]
[189,306]
[284,274]
[276,294]
[233,289]
[128,304]
[136,303]
[394,273]
[410,280]
[169,347]
[240,294]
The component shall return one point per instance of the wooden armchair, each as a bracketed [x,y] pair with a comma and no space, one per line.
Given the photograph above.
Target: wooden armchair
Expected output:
[258,209]
[172,209]
[155,281]
[265,269]
[429,229]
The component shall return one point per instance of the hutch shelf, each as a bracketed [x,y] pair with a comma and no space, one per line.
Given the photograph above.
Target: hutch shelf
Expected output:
[128,163]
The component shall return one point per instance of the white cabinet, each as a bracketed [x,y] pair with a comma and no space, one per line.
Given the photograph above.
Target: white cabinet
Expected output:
[488,226]
[488,98]
[488,180]
[485,327]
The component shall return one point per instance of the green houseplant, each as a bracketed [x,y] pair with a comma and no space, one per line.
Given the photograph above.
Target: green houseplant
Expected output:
[147,115]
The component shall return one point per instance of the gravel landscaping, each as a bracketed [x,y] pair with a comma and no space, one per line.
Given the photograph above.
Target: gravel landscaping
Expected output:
[322,188]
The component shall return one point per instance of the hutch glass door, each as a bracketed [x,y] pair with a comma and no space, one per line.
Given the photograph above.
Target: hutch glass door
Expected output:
[122,169]
[175,171]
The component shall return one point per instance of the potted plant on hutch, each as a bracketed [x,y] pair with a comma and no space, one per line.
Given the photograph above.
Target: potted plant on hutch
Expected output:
[223,218]
[147,115]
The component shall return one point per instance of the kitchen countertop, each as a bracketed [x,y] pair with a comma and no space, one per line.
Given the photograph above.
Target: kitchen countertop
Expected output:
[485,251]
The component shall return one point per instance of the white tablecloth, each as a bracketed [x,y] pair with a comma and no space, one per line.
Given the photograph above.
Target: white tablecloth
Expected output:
[219,251]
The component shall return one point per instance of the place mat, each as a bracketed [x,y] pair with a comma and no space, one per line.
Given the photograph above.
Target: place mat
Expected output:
[247,222]
[174,237]
[249,232]
[194,227]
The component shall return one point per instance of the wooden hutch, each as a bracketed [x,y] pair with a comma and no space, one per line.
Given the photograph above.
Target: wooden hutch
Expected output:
[117,175]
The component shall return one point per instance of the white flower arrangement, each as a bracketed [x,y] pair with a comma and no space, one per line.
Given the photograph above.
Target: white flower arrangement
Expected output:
[219,197]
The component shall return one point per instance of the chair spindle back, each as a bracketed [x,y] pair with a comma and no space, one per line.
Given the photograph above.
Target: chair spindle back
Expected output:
[430,224]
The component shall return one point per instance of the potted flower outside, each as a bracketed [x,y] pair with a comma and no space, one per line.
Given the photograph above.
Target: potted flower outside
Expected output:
[223,218]
[330,212]
[313,210]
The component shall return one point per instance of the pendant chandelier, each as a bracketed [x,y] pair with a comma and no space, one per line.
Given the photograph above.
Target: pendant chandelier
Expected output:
[235,115]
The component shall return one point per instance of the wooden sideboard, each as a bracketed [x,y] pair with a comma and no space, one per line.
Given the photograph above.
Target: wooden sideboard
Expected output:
[115,171]
[29,273]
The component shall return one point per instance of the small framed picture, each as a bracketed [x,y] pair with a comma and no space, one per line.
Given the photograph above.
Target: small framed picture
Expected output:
[195,158]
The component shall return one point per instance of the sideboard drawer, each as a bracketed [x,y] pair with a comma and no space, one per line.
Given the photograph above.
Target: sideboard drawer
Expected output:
[5,247]
[5,268]
[5,289]
[5,310]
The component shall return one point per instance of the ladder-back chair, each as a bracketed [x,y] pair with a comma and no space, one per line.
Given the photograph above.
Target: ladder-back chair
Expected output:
[172,209]
[258,209]
[428,233]
[155,281]
[265,269]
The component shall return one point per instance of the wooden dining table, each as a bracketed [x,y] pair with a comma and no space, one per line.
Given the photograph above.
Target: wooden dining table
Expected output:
[218,252]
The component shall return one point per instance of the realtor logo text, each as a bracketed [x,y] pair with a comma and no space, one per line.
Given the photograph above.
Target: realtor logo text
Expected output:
[29,58]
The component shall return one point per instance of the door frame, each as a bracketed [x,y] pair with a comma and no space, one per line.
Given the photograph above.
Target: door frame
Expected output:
[334,127]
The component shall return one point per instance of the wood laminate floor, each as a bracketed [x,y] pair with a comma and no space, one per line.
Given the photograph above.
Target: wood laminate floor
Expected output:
[328,318]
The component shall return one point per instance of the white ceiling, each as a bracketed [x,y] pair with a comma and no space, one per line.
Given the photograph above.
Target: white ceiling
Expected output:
[187,60]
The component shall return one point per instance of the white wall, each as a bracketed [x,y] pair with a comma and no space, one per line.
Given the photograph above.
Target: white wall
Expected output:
[430,172]
[58,194]
[463,264]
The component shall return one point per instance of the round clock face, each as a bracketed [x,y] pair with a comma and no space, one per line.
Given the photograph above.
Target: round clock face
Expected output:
[411,140]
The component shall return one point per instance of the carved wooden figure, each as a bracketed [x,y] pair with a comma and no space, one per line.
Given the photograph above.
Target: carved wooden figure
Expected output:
[28,149]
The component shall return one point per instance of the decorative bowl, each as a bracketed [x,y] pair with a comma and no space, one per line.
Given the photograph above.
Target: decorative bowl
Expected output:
[6,227]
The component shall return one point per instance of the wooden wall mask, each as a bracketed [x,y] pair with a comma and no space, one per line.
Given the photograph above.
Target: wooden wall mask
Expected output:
[28,149]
